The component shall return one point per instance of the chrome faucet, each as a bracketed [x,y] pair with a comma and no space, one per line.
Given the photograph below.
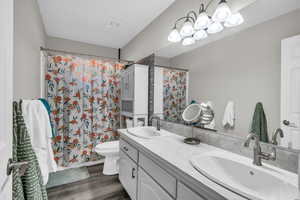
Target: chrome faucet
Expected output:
[274,138]
[157,122]
[258,155]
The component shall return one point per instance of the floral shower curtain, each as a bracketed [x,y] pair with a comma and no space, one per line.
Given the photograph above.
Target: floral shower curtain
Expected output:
[174,94]
[84,95]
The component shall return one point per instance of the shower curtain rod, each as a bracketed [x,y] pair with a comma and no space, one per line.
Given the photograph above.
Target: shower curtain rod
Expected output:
[174,68]
[82,54]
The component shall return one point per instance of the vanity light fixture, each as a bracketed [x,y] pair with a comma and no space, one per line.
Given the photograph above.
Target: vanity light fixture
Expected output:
[174,36]
[197,26]
[203,20]
[200,35]
[234,20]
[187,28]
[215,27]
[188,41]
[222,12]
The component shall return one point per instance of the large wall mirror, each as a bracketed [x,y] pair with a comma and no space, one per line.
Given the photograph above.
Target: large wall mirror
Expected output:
[250,86]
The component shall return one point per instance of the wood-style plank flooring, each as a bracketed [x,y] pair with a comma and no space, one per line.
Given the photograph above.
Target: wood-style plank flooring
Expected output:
[97,187]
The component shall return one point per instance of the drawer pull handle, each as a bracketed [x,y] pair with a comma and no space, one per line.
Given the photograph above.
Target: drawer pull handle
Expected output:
[125,148]
[133,173]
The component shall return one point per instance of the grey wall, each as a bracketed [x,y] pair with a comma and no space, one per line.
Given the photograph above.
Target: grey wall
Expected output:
[244,68]
[153,37]
[80,47]
[162,61]
[286,158]
[29,35]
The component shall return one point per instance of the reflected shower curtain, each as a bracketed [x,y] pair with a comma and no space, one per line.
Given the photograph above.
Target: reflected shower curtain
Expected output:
[84,95]
[174,91]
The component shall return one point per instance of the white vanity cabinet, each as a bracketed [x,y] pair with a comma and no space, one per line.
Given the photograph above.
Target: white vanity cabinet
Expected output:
[184,193]
[146,177]
[148,189]
[128,174]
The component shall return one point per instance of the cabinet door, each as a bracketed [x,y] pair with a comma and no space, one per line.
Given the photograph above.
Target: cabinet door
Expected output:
[123,82]
[184,193]
[148,189]
[128,175]
[125,85]
[131,83]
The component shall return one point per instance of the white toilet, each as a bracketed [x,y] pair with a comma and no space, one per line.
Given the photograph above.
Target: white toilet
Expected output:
[111,152]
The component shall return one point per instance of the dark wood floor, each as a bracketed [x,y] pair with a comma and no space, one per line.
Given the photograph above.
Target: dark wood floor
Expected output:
[97,187]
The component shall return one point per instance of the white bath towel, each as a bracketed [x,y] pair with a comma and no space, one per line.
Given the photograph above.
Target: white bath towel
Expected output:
[39,129]
[229,115]
[212,123]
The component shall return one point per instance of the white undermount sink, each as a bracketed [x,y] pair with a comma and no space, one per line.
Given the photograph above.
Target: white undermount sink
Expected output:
[238,174]
[145,132]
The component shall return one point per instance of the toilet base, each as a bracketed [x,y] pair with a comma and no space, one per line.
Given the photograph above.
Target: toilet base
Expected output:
[111,165]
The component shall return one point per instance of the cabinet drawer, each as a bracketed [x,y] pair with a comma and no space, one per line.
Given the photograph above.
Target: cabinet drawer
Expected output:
[162,177]
[184,193]
[148,189]
[129,150]
[128,175]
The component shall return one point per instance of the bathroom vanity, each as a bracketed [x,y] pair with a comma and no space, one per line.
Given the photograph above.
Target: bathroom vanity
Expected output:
[160,168]
[147,177]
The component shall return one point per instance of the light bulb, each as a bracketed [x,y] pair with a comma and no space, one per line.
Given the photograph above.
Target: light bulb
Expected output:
[234,20]
[199,35]
[187,29]
[202,21]
[174,36]
[188,41]
[215,28]
[222,12]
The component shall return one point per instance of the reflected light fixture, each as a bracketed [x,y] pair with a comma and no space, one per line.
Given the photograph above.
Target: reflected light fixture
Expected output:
[215,27]
[203,20]
[197,26]
[188,41]
[200,35]
[222,12]
[187,28]
[234,20]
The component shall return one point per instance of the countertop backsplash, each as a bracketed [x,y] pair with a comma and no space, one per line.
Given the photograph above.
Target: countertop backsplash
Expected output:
[286,158]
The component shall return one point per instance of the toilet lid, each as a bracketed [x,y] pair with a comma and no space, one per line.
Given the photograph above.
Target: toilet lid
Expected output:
[113,145]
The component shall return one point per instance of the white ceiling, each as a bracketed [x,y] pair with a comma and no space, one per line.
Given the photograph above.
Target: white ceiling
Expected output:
[111,23]
[257,12]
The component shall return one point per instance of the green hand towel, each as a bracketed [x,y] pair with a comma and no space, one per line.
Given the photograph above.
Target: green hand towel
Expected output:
[259,123]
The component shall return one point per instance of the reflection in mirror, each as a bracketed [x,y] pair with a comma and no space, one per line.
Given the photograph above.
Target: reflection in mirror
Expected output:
[201,114]
[249,89]
[170,92]
[247,95]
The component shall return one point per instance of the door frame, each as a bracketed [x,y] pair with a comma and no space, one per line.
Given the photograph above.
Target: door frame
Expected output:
[6,93]
[284,91]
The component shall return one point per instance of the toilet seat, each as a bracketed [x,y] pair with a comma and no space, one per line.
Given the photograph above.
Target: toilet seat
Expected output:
[108,146]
